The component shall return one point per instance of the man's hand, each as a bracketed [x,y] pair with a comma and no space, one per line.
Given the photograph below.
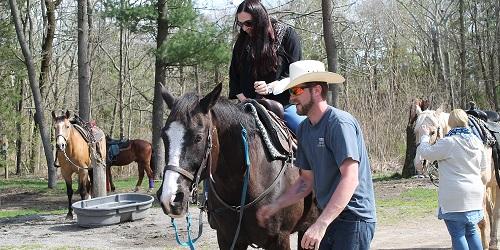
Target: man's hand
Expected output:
[265,212]
[313,236]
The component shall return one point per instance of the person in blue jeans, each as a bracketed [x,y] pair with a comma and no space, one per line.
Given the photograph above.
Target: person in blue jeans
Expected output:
[334,162]
[461,158]
[262,54]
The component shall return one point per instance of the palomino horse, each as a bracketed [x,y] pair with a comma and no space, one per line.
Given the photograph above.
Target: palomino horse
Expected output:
[136,150]
[74,155]
[437,121]
[205,137]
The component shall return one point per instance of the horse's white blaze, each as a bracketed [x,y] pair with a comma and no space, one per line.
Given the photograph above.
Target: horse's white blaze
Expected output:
[175,134]
[60,141]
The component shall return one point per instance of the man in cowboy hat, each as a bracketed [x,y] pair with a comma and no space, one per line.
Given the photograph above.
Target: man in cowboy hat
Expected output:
[334,161]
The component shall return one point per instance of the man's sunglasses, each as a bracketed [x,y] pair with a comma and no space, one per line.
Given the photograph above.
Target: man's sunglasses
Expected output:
[299,90]
[247,23]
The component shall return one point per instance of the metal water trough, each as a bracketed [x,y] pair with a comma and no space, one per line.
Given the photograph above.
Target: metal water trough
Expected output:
[112,209]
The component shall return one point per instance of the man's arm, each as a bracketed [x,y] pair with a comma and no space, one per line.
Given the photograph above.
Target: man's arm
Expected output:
[300,189]
[343,193]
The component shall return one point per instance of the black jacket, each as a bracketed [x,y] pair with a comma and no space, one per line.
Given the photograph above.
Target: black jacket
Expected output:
[241,79]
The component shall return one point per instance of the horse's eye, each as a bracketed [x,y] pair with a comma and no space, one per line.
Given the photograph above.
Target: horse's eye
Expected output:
[67,126]
[198,138]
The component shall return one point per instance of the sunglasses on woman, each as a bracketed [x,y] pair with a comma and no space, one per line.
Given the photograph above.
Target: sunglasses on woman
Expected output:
[247,23]
[299,90]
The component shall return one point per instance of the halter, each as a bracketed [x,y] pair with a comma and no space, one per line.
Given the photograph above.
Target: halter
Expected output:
[195,179]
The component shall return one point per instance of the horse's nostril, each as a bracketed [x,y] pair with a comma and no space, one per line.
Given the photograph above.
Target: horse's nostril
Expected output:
[179,197]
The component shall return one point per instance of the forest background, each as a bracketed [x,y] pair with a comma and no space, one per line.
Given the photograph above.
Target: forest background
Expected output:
[104,60]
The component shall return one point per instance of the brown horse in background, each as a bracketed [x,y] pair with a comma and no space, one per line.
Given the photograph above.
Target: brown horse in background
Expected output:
[139,151]
[75,155]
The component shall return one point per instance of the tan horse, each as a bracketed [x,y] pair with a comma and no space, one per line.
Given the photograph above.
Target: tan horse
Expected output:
[74,155]
[437,120]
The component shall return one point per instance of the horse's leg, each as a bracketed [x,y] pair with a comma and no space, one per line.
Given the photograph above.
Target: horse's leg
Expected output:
[140,169]
[65,172]
[225,244]
[300,235]
[110,178]
[149,172]
[282,243]
[485,224]
[494,215]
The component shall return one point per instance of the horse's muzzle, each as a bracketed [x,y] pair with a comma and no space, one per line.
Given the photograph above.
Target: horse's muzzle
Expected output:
[174,206]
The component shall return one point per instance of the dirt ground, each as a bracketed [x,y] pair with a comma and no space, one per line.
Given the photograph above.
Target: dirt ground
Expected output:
[155,232]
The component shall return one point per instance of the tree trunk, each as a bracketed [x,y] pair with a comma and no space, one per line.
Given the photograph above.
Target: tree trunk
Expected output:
[497,39]
[19,139]
[48,40]
[160,72]
[463,74]
[411,151]
[331,48]
[39,116]
[99,172]
[83,62]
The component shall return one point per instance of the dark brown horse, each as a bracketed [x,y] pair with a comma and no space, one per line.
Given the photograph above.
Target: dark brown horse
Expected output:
[203,136]
[139,151]
[75,155]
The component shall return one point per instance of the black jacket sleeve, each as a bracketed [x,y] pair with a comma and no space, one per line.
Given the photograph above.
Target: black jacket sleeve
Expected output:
[234,77]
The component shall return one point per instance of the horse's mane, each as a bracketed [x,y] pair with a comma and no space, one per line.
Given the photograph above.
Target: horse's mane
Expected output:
[226,112]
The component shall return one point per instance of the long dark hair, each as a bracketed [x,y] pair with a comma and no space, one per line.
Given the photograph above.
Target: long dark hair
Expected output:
[262,51]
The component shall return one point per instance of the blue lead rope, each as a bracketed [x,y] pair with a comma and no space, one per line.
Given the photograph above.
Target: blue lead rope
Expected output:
[244,136]
[189,243]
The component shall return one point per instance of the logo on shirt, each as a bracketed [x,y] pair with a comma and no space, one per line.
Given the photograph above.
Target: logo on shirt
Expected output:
[321,142]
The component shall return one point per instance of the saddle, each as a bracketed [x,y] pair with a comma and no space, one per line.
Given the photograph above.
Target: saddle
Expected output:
[278,138]
[88,129]
[115,147]
[485,115]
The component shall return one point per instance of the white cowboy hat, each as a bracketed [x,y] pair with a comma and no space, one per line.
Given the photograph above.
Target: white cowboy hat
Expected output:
[306,71]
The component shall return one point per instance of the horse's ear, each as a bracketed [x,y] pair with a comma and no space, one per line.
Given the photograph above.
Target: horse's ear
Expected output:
[167,97]
[211,98]
[68,115]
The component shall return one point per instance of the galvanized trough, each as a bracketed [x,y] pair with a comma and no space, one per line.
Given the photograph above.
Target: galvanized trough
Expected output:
[112,209]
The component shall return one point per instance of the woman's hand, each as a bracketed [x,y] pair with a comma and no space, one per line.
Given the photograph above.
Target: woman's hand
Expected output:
[262,88]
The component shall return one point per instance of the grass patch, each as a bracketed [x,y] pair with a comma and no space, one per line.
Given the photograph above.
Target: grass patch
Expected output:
[386,177]
[412,203]
[25,212]
[33,185]
[40,187]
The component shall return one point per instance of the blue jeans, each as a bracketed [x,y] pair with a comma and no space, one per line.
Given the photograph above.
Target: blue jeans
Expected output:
[292,119]
[462,229]
[348,232]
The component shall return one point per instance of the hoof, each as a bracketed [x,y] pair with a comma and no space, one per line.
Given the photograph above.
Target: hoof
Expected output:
[69,216]
[136,189]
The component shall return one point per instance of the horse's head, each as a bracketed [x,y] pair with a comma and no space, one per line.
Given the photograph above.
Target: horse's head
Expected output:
[187,138]
[436,121]
[62,128]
